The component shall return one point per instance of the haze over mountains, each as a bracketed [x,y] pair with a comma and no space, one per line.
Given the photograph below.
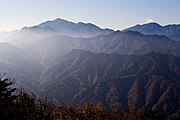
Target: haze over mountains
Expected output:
[53,28]
[78,62]
[51,49]
[63,27]
[18,65]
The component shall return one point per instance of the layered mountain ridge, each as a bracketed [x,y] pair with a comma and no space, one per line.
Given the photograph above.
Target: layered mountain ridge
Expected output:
[171,31]
[52,28]
[124,81]
[51,49]
[64,27]
[79,62]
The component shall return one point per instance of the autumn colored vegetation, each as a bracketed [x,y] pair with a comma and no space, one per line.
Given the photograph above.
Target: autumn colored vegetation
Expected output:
[20,105]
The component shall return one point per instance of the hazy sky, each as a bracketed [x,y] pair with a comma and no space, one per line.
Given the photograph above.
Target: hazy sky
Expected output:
[116,14]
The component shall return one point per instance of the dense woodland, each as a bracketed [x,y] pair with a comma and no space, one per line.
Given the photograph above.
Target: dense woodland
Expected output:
[20,105]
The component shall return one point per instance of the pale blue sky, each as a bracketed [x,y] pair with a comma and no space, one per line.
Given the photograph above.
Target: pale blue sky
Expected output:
[115,14]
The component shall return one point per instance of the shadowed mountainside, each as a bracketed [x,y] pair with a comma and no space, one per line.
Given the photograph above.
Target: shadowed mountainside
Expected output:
[125,81]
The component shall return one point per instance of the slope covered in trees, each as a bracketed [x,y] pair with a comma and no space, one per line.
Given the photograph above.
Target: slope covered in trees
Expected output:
[24,106]
[120,81]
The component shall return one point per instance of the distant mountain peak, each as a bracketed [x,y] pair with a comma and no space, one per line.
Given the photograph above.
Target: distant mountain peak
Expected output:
[153,28]
[118,31]
[63,27]
[59,19]
[85,23]
[55,23]
[153,23]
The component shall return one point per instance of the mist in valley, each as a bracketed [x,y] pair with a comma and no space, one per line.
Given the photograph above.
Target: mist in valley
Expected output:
[78,62]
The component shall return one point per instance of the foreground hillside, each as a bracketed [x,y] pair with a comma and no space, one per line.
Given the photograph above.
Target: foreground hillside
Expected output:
[23,106]
[120,81]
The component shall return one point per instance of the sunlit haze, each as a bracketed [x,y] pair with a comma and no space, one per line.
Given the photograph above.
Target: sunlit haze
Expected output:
[115,14]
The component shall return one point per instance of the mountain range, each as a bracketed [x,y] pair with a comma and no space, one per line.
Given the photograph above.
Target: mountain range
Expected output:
[124,81]
[64,27]
[171,31]
[52,28]
[78,62]
[49,50]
